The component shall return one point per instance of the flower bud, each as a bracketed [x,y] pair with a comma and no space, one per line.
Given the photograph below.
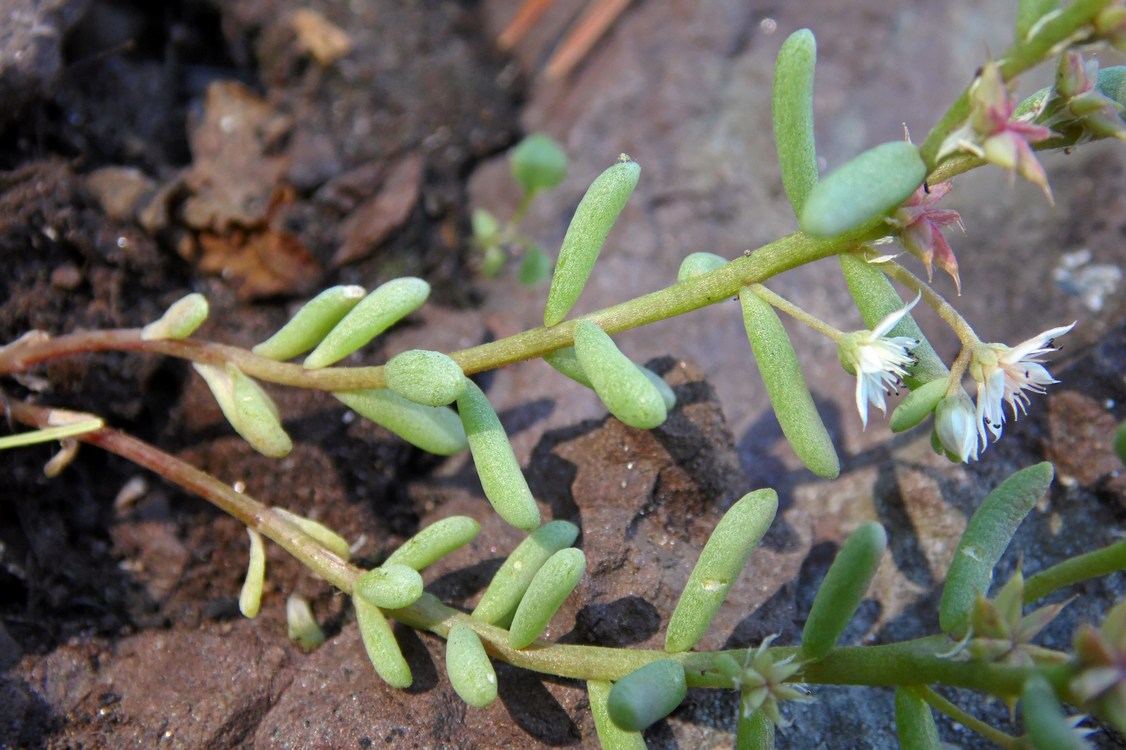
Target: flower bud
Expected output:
[955,425]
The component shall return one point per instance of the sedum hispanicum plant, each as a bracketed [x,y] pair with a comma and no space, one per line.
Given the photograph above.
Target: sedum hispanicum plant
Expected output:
[892,192]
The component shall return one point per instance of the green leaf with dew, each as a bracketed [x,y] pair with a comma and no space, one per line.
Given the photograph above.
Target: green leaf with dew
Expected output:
[610,735]
[391,586]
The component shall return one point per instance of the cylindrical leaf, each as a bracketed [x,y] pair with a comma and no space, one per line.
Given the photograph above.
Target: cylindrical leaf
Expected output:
[328,538]
[918,405]
[1029,12]
[864,189]
[985,539]
[434,429]
[595,216]
[256,416]
[374,314]
[721,561]
[876,298]
[311,323]
[626,391]
[302,627]
[647,695]
[1044,719]
[566,362]
[792,110]
[914,722]
[389,586]
[553,583]
[471,673]
[785,384]
[250,599]
[499,471]
[503,595]
[434,542]
[425,377]
[698,264]
[380,644]
[842,589]
[754,732]
[179,321]
[610,735]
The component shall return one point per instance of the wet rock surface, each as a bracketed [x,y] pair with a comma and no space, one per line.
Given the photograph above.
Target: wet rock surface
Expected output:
[344,143]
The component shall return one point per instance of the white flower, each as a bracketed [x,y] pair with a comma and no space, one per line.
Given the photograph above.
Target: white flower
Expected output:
[1004,374]
[878,361]
[954,423]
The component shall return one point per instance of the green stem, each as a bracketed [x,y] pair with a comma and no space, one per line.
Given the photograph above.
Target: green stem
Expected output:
[707,289]
[963,718]
[797,313]
[910,662]
[934,300]
[1091,565]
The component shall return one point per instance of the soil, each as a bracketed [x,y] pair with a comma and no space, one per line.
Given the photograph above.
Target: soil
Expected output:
[259,150]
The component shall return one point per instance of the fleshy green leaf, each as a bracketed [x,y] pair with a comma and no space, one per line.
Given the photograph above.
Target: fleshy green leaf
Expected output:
[471,673]
[503,595]
[1029,12]
[434,429]
[179,321]
[391,586]
[918,405]
[792,108]
[311,323]
[842,589]
[914,722]
[697,264]
[250,598]
[593,219]
[864,189]
[379,642]
[610,735]
[434,542]
[785,384]
[497,468]
[552,584]
[1044,719]
[647,695]
[425,377]
[985,539]
[374,314]
[626,391]
[721,561]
